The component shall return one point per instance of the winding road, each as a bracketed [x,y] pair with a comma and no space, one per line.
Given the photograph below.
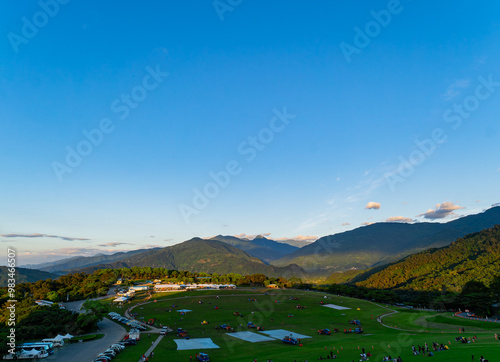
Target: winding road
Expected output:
[87,351]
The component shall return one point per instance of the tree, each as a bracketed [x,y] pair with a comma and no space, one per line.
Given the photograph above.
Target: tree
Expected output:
[477,297]
[94,312]
[96,308]
[495,289]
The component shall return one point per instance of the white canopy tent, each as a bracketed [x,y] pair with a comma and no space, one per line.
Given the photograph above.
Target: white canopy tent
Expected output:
[57,340]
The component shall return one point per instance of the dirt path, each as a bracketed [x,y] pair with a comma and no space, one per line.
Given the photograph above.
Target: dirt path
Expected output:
[381,316]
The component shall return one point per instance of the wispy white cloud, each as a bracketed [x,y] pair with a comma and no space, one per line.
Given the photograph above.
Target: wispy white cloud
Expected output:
[113,244]
[36,235]
[366,187]
[455,89]
[441,211]
[313,222]
[68,252]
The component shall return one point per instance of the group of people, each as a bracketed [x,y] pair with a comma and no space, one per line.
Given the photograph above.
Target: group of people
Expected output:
[328,356]
[389,358]
[466,340]
[425,349]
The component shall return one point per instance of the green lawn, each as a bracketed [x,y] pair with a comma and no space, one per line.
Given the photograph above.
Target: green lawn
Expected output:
[133,353]
[461,322]
[410,319]
[377,339]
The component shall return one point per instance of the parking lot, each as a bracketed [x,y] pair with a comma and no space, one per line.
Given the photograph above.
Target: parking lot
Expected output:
[87,351]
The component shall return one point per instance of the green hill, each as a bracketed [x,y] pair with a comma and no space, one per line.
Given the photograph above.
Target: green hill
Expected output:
[200,255]
[382,243]
[474,257]
[24,275]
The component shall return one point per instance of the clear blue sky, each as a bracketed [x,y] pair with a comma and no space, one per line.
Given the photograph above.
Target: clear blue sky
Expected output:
[357,105]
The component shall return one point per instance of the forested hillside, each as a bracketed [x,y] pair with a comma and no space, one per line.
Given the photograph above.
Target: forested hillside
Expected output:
[24,275]
[476,257]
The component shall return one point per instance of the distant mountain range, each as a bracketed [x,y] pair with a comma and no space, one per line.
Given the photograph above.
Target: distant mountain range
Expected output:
[64,265]
[266,250]
[382,243]
[202,255]
[366,247]
[260,247]
[474,257]
[24,275]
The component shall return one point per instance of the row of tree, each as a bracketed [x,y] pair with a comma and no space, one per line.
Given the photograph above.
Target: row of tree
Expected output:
[81,286]
[474,296]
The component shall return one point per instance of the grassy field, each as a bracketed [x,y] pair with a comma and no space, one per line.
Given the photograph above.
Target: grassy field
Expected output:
[271,311]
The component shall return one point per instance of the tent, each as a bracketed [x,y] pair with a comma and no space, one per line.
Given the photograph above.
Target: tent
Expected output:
[57,340]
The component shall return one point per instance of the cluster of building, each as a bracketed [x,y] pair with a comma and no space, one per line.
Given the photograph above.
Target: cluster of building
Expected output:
[181,287]
[125,295]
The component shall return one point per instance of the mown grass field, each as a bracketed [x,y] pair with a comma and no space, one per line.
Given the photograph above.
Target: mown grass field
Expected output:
[271,311]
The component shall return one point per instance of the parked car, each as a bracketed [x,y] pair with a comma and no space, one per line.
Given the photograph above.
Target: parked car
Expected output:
[130,342]
[203,357]
[103,358]
[107,355]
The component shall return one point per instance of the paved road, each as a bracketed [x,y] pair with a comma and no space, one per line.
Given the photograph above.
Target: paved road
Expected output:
[465,316]
[87,351]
